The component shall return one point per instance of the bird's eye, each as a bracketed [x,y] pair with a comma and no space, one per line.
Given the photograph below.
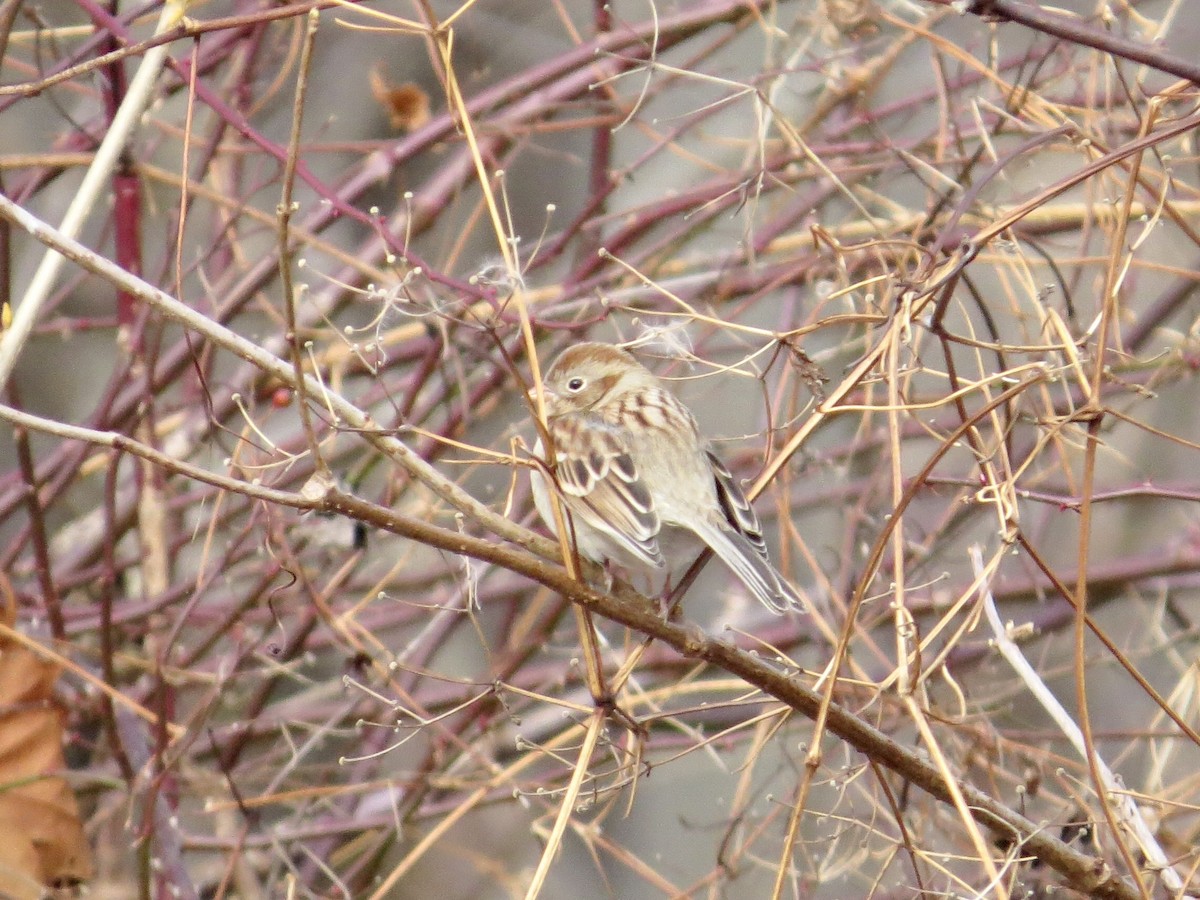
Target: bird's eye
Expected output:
[575,385]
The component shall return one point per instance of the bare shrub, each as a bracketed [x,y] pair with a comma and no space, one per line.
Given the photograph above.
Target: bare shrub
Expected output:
[925,271]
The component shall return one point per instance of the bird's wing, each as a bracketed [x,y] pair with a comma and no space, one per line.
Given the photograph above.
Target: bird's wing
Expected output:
[742,547]
[738,511]
[601,485]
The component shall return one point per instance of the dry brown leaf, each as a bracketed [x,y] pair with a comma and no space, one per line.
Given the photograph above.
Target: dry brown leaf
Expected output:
[407,105]
[41,836]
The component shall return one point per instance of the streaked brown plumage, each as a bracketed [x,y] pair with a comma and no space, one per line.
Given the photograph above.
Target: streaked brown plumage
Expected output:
[638,479]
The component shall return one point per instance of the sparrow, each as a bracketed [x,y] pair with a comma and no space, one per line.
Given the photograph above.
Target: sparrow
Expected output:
[641,485]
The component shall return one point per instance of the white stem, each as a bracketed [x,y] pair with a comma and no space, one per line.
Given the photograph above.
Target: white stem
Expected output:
[137,98]
[1126,809]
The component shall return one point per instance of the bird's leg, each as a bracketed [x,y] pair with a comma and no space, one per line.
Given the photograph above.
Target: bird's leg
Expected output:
[664,604]
[611,571]
[668,599]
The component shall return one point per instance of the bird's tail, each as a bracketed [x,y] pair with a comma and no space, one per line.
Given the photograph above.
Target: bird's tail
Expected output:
[737,552]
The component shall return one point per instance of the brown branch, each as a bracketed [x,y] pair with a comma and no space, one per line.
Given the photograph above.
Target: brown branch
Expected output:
[1071,28]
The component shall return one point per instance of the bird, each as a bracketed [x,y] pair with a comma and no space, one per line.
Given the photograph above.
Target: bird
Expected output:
[642,486]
